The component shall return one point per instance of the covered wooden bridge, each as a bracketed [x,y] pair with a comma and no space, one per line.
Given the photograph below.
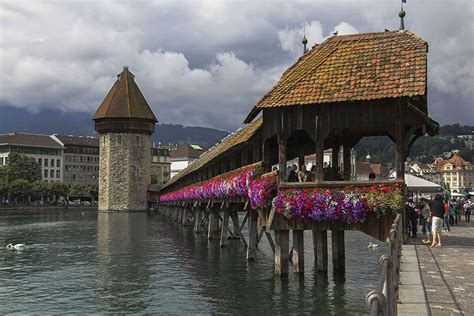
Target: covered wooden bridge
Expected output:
[341,90]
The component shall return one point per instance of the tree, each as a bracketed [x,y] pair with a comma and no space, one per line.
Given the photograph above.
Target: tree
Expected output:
[59,189]
[22,167]
[20,188]
[40,189]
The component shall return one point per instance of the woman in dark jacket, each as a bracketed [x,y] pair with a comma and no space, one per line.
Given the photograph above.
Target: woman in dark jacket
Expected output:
[437,213]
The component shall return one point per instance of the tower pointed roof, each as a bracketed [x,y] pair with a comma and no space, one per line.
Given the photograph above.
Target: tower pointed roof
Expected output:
[125,101]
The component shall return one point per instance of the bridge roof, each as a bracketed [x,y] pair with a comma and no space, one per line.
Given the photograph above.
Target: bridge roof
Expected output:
[352,68]
[234,139]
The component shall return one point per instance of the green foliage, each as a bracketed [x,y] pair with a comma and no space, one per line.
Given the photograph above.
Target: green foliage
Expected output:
[21,167]
[3,187]
[456,129]
[20,188]
[58,189]
[40,189]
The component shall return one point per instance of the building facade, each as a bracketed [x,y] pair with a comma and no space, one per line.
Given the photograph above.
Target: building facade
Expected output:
[81,160]
[183,156]
[160,166]
[457,172]
[47,152]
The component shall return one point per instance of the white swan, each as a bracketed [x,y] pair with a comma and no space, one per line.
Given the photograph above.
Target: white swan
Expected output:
[371,245]
[16,247]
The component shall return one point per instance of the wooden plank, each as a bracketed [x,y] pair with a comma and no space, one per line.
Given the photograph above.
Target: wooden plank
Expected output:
[260,235]
[245,219]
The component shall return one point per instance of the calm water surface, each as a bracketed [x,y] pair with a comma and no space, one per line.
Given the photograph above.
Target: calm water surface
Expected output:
[142,263]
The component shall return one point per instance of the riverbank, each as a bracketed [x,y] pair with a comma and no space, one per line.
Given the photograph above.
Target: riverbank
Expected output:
[35,210]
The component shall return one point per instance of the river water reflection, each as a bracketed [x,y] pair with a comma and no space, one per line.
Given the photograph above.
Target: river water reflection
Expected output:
[142,263]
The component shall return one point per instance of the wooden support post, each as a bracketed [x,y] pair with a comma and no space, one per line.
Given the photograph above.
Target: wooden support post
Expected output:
[197,220]
[282,159]
[301,157]
[237,232]
[281,252]
[320,245]
[338,251]
[347,173]
[253,232]
[319,158]
[335,157]
[298,251]
[270,241]
[184,218]
[213,225]
[225,228]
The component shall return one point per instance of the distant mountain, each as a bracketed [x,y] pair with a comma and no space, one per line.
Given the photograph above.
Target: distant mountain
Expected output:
[78,123]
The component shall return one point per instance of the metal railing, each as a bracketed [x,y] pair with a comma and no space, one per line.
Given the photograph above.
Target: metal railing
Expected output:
[383,300]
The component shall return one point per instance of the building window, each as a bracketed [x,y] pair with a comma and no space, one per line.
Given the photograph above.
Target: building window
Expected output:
[46,162]
[58,174]
[58,163]
[40,161]
[73,177]
[51,173]
[45,173]
[119,140]
[1,161]
[52,162]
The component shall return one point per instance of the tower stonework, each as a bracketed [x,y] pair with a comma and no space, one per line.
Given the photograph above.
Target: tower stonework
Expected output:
[125,123]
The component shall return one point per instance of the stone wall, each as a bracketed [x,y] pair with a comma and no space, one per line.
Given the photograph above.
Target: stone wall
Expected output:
[124,171]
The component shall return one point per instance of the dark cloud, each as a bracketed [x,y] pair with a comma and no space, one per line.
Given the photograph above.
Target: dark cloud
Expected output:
[207,62]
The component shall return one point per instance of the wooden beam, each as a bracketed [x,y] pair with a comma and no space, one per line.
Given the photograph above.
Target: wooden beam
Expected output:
[282,158]
[198,220]
[346,158]
[270,241]
[235,220]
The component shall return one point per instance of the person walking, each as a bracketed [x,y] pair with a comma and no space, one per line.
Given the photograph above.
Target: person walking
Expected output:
[426,222]
[446,217]
[467,210]
[437,213]
[459,210]
[452,212]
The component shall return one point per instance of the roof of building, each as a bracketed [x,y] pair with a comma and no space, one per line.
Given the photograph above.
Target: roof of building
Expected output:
[160,152]
[187,151]
[32,140]
[232,140]
[71,140]
[352,68]
[363,167]
[125,100]
[458,161]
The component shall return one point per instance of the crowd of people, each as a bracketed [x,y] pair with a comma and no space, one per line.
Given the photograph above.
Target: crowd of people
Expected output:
[304,175]
[435,216]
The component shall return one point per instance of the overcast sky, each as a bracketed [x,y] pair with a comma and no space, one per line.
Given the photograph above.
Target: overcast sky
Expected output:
[206,63]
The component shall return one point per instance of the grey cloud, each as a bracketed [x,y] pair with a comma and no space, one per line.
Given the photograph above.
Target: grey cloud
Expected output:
[207,62]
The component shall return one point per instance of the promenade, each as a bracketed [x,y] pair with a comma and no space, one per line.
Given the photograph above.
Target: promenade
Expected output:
[439,281]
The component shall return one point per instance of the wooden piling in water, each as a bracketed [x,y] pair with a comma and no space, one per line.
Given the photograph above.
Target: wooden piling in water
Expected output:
[298,251]
[253,234]
[320,245]
[338,251]
[198,220]
[213,226]
[225,228]
[281,252]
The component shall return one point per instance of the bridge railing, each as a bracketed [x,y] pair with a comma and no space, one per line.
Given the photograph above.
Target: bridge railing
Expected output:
[383,299]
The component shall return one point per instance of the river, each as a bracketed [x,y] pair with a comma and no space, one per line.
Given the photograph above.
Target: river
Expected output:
[84,262]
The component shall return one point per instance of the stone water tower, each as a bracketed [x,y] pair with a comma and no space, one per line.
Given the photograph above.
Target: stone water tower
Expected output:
[125,122]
